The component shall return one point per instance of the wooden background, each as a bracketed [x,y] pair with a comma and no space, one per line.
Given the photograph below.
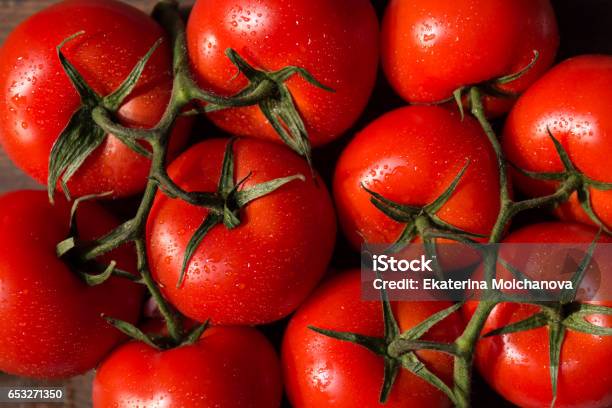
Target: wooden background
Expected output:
[586,27]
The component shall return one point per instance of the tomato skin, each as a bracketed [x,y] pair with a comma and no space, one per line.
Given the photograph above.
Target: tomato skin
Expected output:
[260,271]
[517,365]
[337,44]
[37,99]
[430,48]
[228,367]
[320,371]
[411,155]
[51,324]
[573,100]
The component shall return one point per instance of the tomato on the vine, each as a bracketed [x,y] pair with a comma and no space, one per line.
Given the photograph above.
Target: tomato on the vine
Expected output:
[263,269]
[411,156]
[335,42]
[573,101]
[38,99]
[51,319]
[320,371]
[227,367]
[517,365]
[432,48]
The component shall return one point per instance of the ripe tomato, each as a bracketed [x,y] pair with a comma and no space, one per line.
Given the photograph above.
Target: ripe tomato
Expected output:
[263,269]
[430,48]
[410,156]
[228,367]
[517,365]
[37,98]
[51,324]
[320,371]
[336,43]
[573,100]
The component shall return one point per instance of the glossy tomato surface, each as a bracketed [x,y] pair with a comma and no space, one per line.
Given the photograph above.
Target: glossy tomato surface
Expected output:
[517,365]
[430,48]
[51,320]
[336,41]
[227,367]
[322,372]
[38,99]
[260,271]
[573,101]
[411,156]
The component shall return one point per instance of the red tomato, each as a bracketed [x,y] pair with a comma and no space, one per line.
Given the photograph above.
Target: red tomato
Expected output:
[37,98]
[51,324]
[228,367]
[574,101]
[260,271]
[430,48]
[410,156]
[336,42]
[322,372]
[517,365]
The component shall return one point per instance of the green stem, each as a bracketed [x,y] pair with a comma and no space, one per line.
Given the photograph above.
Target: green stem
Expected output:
[134,231]
[401,346]
[167,14]
[158,139]
[171,317]
[103,118]
[567,188]
[479,113]
[184,91]
[466,343]
[210,201]
[465,346]
[422,225]
[120,235]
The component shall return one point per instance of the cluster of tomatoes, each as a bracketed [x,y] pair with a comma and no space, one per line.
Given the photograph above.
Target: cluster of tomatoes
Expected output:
[444,58]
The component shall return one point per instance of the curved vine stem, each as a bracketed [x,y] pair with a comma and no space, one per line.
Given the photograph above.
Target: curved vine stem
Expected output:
[466,343]
[98,114]
[558,317]
[424,222]
[133,230]
[464,347]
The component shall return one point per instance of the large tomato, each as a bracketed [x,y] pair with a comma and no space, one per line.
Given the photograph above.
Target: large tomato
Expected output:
[574,101]
[320,371]
[430,48]
[335,41]
[517,365]
[410,156]
[227,367]
[37,98]
[51,324]
[260,271]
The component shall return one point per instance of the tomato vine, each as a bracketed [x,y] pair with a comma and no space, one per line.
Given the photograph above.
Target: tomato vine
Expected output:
[398,348]
[96,116]
[267,90]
